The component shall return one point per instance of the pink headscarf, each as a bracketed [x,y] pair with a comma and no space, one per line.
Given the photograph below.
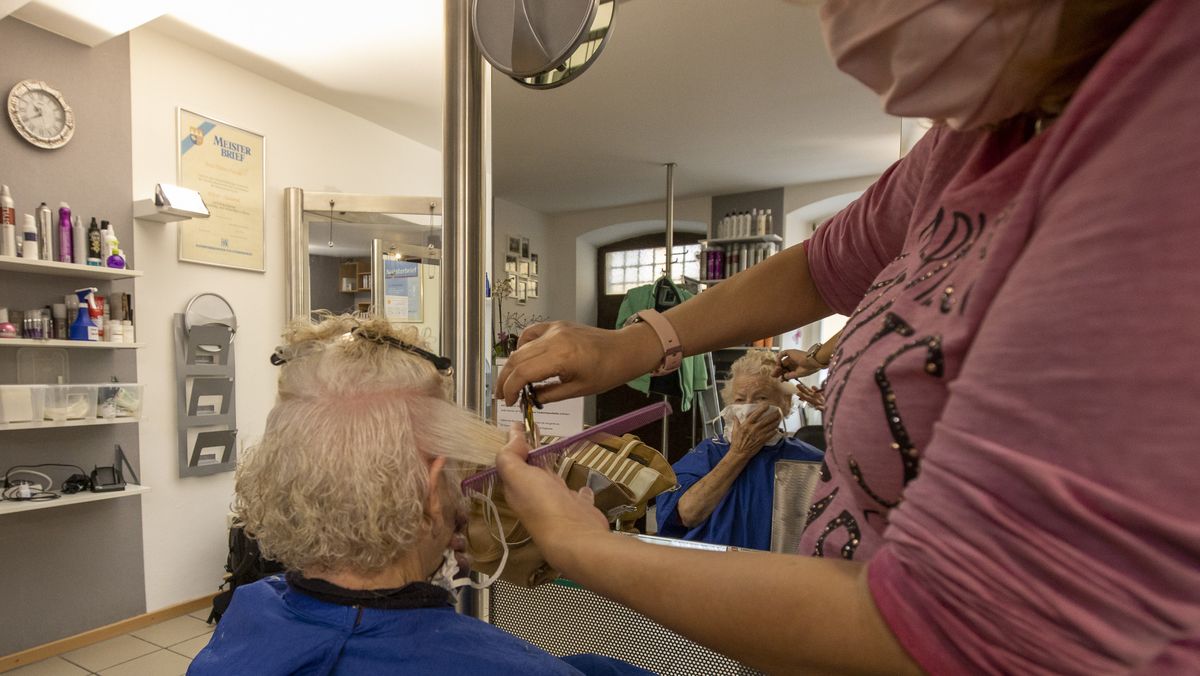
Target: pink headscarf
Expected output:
[963,61]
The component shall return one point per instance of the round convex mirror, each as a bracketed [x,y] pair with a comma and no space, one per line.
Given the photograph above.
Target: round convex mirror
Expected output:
[542,43]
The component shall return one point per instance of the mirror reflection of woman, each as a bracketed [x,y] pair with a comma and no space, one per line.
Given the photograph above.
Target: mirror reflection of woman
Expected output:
[996,501]
[726,486]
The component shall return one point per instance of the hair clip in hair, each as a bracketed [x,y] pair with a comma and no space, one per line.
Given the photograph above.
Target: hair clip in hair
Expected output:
[283,354]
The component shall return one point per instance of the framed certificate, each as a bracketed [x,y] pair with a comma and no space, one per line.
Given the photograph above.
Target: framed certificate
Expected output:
[227,166]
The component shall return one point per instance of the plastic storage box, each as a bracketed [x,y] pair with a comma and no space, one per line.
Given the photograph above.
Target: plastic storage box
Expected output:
[119,400]
[70,402]
[22,403]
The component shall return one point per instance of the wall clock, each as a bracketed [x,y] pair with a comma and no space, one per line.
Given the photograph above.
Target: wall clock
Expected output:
[40,114]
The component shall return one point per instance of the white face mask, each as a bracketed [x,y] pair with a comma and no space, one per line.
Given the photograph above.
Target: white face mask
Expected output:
[736,414]
[447,577]
[968,62]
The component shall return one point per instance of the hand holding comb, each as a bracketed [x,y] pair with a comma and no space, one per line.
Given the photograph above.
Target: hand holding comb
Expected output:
[548,455]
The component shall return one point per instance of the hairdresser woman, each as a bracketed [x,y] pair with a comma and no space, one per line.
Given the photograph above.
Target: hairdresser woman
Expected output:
[1029,265]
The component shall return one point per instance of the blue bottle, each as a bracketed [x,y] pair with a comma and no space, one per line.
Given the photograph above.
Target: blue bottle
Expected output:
[83,328]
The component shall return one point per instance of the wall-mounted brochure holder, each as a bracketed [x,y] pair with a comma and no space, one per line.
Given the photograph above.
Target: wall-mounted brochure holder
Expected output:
[204,368]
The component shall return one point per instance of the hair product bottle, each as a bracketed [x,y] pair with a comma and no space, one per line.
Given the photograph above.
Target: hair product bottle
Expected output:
[79,242]
[29,238]
[94,250]
[8,239]
[45,224]
[8,222]
[66,236]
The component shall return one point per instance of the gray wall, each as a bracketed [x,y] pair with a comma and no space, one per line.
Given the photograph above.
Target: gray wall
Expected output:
[69,569]
[323,284]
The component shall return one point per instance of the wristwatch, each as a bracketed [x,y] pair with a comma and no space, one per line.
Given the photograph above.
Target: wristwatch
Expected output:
[811,355]
[672,348]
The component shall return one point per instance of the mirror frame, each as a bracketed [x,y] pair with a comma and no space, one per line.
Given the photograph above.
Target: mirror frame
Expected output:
[296,281]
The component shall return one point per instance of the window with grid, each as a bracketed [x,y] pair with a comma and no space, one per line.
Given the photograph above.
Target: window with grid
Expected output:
[624,270]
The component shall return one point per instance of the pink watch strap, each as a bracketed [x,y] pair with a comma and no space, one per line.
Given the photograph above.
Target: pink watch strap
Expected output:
[672,348]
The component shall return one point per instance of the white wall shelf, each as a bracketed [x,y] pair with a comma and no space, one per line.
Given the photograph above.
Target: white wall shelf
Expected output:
[50,424]
[742,240]
[95,345]
[39,267]
[14,506]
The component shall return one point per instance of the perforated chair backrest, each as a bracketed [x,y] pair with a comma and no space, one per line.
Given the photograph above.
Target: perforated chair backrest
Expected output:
[795,483]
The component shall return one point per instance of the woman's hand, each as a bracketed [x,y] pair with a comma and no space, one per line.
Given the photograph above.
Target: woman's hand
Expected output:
[552,513]
[585,359]
[813,396]
[795,364]
[749,436]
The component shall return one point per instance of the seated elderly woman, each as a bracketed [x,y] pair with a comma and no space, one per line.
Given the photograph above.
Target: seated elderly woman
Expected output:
[726,488]
[355,489]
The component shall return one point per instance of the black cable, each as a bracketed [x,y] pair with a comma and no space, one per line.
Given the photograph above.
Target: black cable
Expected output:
[39,495]
[44,464]
[34,496]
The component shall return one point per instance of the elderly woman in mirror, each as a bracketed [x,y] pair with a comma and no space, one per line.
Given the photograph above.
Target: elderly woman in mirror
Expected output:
[354,488]
[726,486]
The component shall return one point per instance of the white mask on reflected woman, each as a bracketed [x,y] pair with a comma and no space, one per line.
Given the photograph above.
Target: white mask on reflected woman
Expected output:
[968,62]
[735,414]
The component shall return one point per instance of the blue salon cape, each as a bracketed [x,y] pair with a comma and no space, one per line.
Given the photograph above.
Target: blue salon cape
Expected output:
[273,629]
[743,517]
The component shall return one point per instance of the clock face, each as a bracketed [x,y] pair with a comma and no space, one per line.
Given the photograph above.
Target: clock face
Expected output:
[41,114]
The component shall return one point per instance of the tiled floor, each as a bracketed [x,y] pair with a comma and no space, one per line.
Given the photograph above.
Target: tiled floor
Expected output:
[164,649]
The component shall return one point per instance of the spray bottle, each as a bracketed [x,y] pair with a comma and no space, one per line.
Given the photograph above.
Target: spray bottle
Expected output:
[45,224]
[83,328]
[65,235]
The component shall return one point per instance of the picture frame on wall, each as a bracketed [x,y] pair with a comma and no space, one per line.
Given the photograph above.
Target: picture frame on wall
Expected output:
[533,289]
[522,290]
[514,246]
[523,267]
[510,263]
[524,247]
[533,264]
[226,164]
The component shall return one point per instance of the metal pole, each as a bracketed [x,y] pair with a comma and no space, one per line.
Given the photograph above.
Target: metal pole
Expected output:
[670,213]
[296,274]
[466,230]
[666,422]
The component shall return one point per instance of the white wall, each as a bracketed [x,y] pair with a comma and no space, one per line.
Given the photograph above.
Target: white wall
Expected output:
[311,145]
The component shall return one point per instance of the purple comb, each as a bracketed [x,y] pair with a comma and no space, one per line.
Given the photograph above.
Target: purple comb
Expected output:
[545,455]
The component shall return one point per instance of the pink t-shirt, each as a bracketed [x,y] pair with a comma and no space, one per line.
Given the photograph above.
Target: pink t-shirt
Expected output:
[1014,409]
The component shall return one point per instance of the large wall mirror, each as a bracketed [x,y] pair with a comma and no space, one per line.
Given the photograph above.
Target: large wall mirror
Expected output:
[770,123]
[366,254]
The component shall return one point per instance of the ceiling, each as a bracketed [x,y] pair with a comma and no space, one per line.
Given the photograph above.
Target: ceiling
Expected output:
[740,94]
